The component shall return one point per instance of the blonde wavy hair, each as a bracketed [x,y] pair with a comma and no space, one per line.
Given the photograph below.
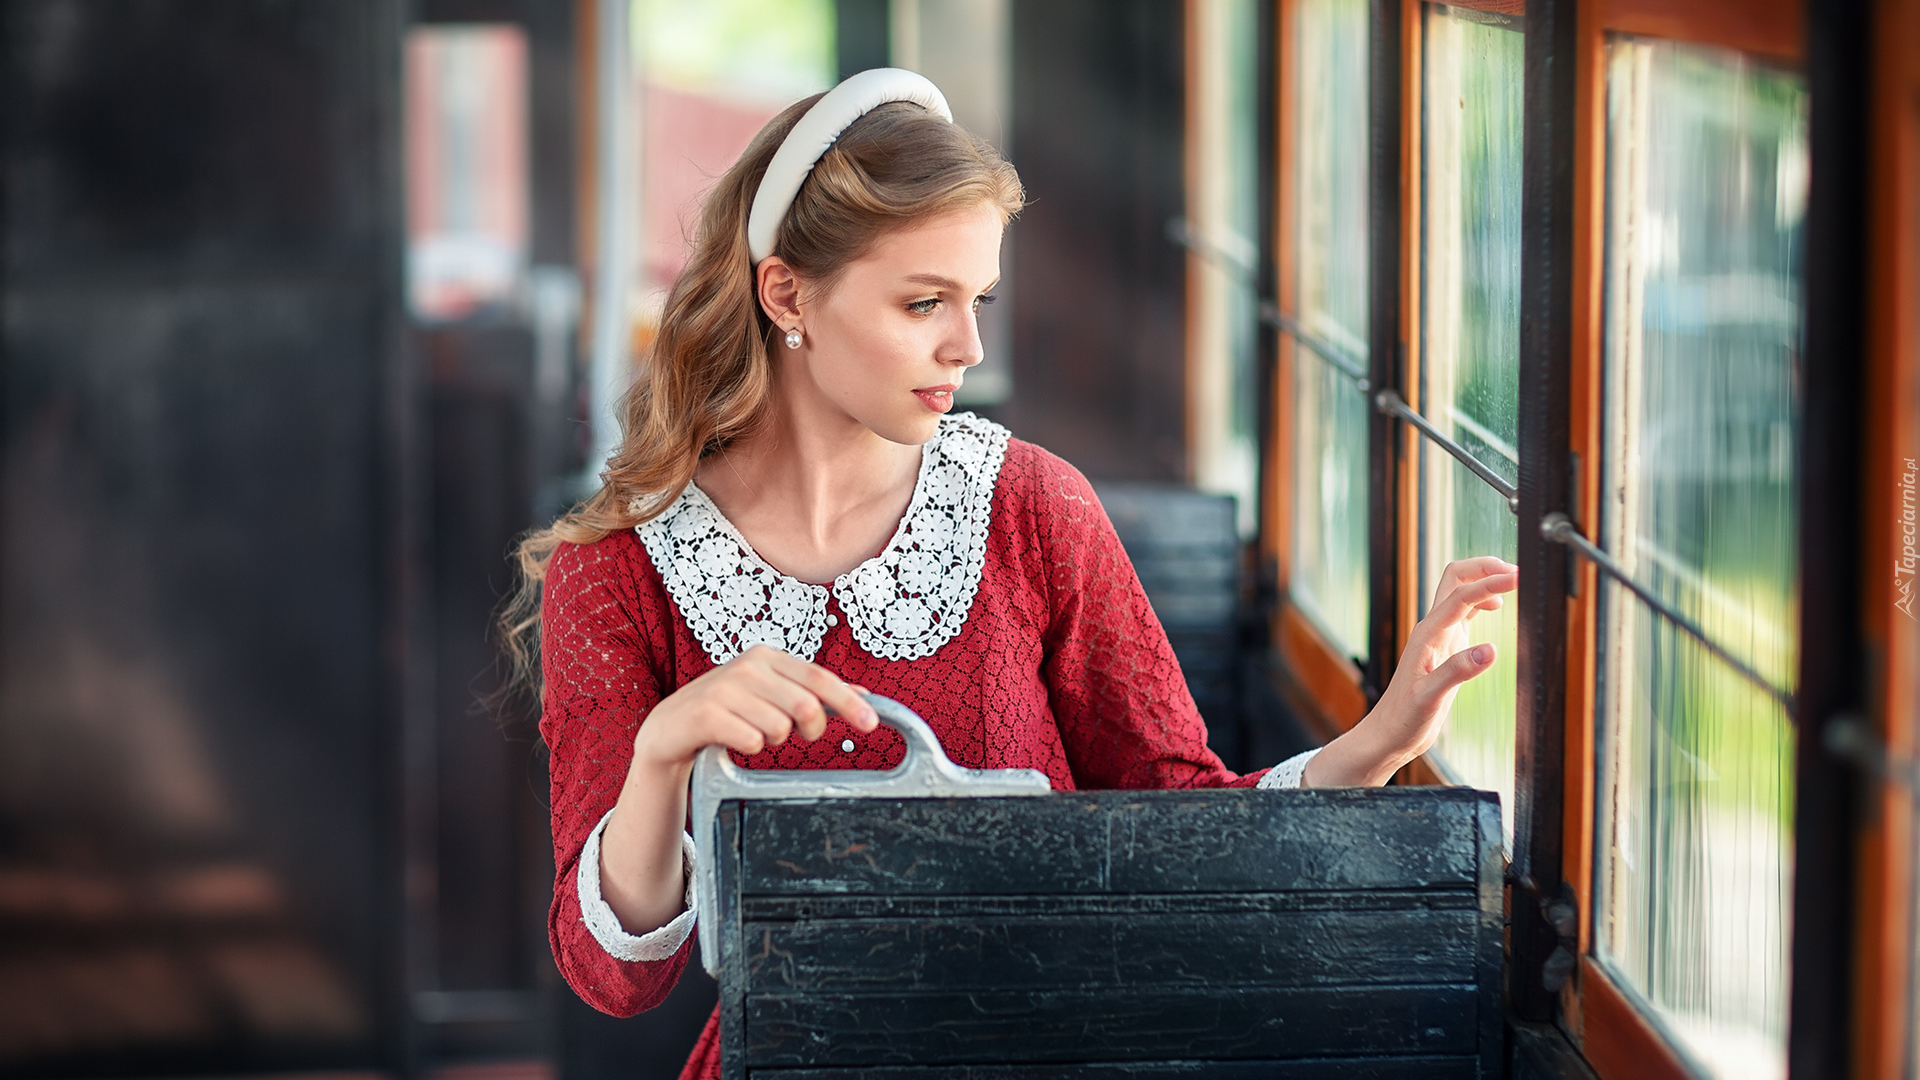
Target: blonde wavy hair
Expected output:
[708,380]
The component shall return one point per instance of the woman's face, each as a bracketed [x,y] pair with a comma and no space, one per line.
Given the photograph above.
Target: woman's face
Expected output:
[891,341]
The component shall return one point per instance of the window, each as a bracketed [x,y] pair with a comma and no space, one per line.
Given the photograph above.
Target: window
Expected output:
[1706,180]
[711,75]
[1328,429]
[1673,164]
[466,153]
[1223,211]
[966,49]
[682,88]
[1469,349]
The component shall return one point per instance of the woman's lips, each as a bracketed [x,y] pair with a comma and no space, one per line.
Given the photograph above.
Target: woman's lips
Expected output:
[939,399]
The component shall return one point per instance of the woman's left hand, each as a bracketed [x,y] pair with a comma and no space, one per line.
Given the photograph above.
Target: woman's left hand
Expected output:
[1408,717]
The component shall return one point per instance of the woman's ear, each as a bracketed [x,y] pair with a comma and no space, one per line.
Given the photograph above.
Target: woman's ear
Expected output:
[779,291]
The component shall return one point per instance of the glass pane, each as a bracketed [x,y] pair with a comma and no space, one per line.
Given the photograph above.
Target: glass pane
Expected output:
[466,152]
[965,47]
[1706,190]
[712,73]
[1470,349]
[1329,429]
[1223,208]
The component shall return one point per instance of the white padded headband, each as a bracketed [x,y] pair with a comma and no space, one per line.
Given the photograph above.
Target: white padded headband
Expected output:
[816,131]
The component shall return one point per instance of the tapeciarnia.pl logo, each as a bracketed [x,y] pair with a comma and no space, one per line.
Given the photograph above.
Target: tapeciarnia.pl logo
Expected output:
[1904,566]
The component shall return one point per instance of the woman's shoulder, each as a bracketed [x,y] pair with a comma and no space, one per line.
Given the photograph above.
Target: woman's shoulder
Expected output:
[1042,486]
[616,563]
[617,549]
[1035,467]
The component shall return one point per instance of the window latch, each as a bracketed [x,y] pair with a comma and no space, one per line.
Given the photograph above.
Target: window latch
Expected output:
[1851,739]
[1560,911]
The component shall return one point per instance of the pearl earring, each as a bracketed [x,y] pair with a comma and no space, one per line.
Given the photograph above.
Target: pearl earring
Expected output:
[793,338]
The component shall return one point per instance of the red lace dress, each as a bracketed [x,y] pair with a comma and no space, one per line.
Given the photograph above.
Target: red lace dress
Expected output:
[1004,611]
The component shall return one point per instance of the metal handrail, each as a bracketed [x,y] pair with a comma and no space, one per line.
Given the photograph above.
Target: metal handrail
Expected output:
[1354,368]
[1559,528]
[1391,403]
[1556,526]
[1183,234]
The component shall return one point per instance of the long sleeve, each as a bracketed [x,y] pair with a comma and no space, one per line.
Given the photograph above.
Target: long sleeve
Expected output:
[659,943]
[1123,708]
[602,679]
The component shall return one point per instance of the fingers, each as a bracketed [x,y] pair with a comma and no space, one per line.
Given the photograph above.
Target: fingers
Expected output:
[826,688]
[735,733]
[1457,669]
[759,699]
[1462,571]
[1481,594]
[789,698]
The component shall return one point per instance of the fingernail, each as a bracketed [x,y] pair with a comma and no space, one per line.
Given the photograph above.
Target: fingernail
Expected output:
[1483,654]
[871,717]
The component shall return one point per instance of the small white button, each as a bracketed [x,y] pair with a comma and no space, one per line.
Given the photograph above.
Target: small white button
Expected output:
[833,620]
[847,745]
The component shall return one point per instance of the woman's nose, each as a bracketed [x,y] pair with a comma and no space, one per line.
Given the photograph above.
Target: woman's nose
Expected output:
[966,350]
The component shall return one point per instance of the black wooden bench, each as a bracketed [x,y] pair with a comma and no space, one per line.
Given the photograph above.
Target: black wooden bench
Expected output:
[1325,934]
[1185,547]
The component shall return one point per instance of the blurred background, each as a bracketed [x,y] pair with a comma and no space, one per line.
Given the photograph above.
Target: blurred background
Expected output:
[309,309]
[312,308]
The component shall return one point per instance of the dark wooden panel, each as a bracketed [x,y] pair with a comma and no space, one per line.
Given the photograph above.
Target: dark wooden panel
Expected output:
[846,1029]
[489,776]
[1098,309]
[1185,546]
[1829,808]
[1424,1067]
[1168,928]
[1277,840]
[861,906]
[204,138]
[1120,950]
[198,650]
[1203,841]
[923,846]
[733,998]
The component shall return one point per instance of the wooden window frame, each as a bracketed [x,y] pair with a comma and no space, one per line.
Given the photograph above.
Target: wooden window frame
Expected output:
[1602,1018]
[1618,1038]
[1885,956]
[1330,690]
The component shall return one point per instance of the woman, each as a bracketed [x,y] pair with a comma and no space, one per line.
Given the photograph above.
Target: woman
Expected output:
[795,513]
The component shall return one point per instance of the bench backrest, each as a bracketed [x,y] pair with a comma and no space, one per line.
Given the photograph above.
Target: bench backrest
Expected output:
[1341,933]
[1185,546]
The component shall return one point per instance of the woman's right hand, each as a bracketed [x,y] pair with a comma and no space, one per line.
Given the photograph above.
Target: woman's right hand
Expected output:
[756,700]
[1436,662]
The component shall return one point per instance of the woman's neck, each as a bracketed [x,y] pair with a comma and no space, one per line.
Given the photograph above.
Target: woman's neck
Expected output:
[814,491]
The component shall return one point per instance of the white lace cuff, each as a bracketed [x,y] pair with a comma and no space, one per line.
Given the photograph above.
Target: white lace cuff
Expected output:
[605,926]
[1290,773]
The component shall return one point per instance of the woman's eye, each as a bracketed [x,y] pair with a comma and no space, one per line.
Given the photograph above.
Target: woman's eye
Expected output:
[983,300]
[924,307]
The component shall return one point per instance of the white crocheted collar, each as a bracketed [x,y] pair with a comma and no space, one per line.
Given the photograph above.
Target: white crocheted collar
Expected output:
[902,604]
